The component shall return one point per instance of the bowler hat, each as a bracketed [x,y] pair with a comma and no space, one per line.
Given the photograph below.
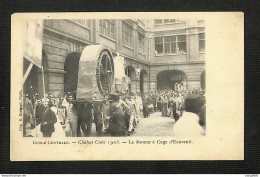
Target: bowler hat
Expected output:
[113,97]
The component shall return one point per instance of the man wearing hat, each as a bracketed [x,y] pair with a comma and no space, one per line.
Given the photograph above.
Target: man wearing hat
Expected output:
[39,111]
[145,101]
[154,101]
[164,105]
[132,112]
[35,99]
[188,124]
[48,120]
[185,85]
[28,113]
[85,116]
[139,106]
[117,121]
[71,115]
[98,109]
[106,113]
[173,101]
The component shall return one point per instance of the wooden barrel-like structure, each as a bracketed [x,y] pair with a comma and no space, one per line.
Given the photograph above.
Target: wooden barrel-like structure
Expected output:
[96,72]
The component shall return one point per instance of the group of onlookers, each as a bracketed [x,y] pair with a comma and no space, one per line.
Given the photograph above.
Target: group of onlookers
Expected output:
[178,104]
[38,112]
[116,114]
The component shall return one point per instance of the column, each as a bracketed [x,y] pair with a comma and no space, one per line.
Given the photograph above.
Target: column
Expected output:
[192,40]
[135,41]
[150,55]
[137,81]
[97,31]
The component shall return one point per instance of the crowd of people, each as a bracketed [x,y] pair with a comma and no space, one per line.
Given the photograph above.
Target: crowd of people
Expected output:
[116,114]
[176,104]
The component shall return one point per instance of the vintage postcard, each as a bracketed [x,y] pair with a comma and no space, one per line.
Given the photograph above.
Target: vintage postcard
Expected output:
[127,86]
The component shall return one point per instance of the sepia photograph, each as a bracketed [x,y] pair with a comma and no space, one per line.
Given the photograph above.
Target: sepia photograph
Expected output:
[114,77]
[127,86]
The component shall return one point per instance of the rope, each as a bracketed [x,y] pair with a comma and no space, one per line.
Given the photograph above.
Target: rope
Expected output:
[73,76]
[71,80]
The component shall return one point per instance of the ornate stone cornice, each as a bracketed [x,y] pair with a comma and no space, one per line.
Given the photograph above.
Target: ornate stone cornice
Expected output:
[192,31]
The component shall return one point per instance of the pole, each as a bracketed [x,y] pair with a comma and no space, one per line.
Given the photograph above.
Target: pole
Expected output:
[43,84]
[27,72]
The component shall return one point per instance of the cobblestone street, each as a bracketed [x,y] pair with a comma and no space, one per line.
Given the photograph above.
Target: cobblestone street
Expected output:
[155,125]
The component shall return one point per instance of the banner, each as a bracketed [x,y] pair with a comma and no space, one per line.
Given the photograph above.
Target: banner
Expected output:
[33,41]
[119,67]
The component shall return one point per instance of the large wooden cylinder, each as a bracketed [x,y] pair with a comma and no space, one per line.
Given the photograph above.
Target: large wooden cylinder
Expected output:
[96,72]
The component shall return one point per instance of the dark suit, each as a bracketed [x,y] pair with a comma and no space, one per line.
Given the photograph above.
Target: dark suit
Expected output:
[84,118]
[49,117]
[117,121]
[145,107]
[174,113]
[39,111]
[98,109]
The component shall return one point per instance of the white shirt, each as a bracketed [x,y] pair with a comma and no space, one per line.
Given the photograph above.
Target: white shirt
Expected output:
[139,102]
[64,103]
[188,126]
[70,112]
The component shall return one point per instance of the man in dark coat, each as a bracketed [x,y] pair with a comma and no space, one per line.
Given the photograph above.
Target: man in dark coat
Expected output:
[145,106]
[84,118]
[174,107]
[48,120]
[164,106]
[159,102]
[154,98]
[117,121]
[98,109]
[39,111]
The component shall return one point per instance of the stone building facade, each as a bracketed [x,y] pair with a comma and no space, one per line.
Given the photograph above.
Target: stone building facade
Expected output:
[157,53]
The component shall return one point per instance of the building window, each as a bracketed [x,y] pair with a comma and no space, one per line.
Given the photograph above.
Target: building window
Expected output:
[201,42]
[141,43]
[83,22]
[107,28]
[167,21]
[170,45]
[181,44]
[158,21]
[173,20]
[127,34]
[158,45]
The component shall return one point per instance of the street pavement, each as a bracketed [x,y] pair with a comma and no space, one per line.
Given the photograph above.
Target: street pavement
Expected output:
[154,125]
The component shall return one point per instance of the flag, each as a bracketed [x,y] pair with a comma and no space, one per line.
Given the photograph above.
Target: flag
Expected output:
[33,41]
